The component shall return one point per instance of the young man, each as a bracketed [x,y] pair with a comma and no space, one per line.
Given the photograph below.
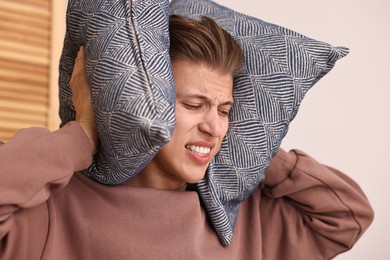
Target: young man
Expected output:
[303,210]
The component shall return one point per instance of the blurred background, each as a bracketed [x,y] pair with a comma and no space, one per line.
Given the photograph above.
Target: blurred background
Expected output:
[343,121]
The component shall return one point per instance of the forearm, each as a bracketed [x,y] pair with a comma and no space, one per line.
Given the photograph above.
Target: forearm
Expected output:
[322,209]
[36,160]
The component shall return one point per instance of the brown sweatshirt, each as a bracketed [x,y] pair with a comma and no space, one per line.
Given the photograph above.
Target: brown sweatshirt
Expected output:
[303,210]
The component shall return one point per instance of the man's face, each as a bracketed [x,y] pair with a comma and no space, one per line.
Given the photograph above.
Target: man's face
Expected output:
[203,100]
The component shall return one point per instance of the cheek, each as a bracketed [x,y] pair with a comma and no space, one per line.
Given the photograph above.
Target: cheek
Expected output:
[184,120]
[225,127]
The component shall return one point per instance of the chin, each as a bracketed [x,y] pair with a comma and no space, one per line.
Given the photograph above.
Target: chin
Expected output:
[194,179]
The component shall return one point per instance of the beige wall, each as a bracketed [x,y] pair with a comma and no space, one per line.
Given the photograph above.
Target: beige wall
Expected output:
[344,120]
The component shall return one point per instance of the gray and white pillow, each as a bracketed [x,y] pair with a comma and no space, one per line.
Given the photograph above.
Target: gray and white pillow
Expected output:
[280,67]
[129,71]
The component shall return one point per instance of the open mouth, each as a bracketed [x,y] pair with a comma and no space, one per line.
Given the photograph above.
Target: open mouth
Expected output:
[202,151]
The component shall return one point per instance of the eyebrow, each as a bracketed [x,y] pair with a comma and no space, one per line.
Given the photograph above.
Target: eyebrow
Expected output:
[197,96]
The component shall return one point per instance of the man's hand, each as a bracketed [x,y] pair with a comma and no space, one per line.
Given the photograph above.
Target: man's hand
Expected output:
[81,97]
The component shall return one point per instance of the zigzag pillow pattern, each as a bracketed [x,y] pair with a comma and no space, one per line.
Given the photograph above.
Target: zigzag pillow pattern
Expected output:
[280,67]
[128,68]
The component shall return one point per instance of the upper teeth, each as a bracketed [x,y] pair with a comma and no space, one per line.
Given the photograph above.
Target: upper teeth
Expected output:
[198,149]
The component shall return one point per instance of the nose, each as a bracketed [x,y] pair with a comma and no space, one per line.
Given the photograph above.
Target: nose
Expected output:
[212,124]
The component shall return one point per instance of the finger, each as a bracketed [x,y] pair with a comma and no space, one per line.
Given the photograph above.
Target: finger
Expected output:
[78,77]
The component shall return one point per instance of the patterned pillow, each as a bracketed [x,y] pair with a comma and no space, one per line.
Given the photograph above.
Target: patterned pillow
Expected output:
[280,67]
[128,67]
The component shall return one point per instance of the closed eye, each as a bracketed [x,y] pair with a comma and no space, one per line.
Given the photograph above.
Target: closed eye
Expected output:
[191,106]
[223,113]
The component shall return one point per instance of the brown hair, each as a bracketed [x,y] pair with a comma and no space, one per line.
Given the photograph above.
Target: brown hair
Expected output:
[204,41]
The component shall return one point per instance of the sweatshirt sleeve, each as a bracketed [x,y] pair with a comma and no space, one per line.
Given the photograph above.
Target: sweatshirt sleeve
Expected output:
[35,161]
[310,211]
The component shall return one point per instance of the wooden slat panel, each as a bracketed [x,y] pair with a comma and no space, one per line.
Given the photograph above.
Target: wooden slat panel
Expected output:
[15,51]
[28,58]
[11,74]
[23,66]
[23,48]
[24,7]
[22,37]
[12,95]
[40,3]
[6,134]
[21,117]
[24,107]
[15,126]
[9,26]
[18,87]
[25,31]
[28,19]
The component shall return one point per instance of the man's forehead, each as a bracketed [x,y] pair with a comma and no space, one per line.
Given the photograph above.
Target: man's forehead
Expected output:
[195,80]
[220,99]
